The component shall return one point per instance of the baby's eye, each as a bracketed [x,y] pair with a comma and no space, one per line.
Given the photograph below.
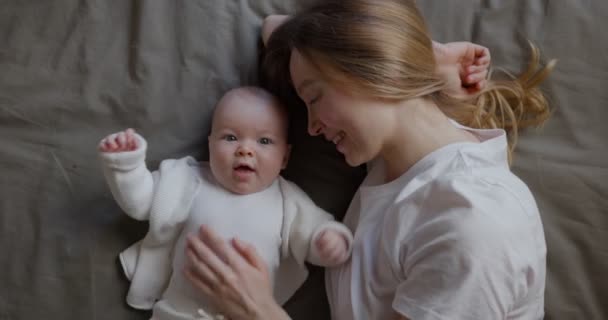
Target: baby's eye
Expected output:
[265,141]
[229,137]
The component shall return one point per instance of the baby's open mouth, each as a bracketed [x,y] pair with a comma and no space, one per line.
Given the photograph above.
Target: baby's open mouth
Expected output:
[244,168]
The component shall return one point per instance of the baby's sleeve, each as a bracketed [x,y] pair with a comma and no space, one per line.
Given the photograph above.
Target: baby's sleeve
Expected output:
[130,181]
[313,255]
[303,222]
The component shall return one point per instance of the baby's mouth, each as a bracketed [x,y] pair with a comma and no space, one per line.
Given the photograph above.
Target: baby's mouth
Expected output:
[244,168]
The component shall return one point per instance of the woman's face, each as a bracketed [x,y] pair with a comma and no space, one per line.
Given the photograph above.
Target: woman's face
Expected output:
[354,123]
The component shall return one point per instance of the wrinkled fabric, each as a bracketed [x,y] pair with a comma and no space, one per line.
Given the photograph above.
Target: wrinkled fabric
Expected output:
[73,71]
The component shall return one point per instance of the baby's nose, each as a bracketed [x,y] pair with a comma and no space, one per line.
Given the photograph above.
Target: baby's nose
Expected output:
[244,151]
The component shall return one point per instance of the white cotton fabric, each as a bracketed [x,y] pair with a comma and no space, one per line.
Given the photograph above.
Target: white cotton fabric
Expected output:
[255,218]
[281,221]
[457,236]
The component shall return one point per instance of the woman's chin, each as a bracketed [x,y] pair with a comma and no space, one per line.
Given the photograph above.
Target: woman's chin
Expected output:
[353,160]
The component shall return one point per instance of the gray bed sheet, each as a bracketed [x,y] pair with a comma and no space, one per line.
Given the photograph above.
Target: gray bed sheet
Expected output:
[72,71]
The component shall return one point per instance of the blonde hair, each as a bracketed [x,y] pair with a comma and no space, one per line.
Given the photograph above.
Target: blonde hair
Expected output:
[383,48]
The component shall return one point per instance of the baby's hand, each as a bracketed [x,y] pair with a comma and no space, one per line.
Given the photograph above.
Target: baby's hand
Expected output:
[332,247]
[119,142]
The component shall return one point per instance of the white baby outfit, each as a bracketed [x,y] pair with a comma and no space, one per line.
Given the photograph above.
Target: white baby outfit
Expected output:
[280,222]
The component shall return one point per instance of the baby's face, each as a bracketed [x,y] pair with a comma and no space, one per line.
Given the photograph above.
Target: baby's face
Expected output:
[248,143]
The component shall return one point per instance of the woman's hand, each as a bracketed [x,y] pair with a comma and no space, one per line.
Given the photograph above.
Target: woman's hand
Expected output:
[233,276]
[464,65]
[270,23]
[119,142]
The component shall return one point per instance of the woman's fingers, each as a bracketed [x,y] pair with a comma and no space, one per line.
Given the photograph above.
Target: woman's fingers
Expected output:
[476,77]
[218,268]
[228,301]
[220,247]
[214,242]
[223,260]
[249,253]
[475,69]
[482,55]
[199,265]
[192,276]
[215,278]
[481,84]
[232,275]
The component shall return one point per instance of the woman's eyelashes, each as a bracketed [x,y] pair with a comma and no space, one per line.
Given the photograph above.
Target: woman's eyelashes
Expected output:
[313,101]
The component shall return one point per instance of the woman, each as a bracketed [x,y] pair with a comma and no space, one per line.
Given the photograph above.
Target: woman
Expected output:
[443,229]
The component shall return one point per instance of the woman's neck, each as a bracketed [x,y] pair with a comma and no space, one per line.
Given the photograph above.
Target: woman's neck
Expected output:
[421,129]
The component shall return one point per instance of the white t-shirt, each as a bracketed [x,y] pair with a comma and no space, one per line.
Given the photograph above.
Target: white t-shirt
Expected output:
[457,236]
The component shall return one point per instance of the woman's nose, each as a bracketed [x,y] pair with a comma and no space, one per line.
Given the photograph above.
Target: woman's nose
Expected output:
[315,127]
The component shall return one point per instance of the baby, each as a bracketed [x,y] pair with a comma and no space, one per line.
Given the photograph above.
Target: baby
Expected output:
[238,192]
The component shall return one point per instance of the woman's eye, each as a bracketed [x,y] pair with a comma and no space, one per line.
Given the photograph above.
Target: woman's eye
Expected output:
[313,101]
[265,141]
[230,137]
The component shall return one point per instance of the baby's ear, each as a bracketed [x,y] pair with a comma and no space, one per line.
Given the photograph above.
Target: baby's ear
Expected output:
[286,157]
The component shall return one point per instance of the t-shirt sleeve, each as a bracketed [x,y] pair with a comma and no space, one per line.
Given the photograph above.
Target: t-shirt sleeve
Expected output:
[456,266]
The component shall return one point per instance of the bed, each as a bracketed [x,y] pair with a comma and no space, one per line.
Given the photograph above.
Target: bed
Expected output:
[72,71]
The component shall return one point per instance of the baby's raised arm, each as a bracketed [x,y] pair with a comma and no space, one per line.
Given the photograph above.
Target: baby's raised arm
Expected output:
[123,159]
[119,142]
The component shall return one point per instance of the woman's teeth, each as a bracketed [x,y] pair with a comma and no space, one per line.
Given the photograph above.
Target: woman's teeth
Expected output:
[338,138]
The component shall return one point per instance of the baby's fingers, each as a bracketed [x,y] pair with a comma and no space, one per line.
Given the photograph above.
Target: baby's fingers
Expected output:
[121,140]
[102,146]
[111,143]
[131,140]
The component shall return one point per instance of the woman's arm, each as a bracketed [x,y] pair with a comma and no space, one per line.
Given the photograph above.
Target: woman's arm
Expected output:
[464,65]
[233,276]
[270,24]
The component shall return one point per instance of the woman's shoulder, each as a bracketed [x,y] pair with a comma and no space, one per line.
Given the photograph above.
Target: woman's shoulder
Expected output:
[473,206]
[478,188]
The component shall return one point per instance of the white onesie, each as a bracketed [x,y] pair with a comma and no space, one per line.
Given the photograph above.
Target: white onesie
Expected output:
[280,221]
